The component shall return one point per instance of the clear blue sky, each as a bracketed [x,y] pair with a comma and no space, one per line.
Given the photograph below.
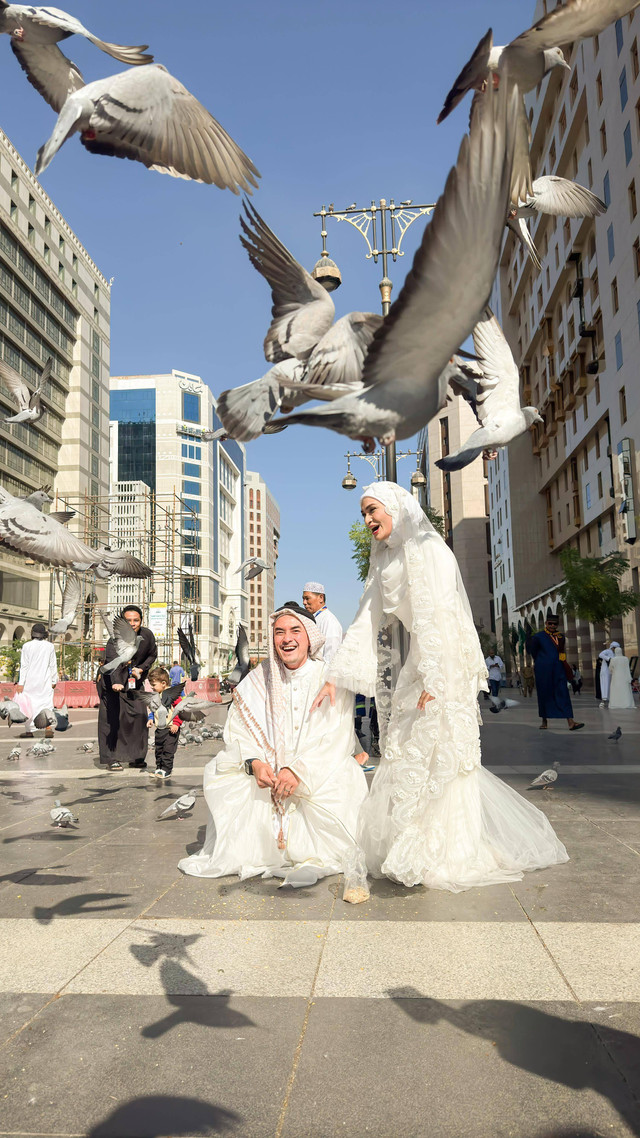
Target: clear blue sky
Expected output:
[333,102]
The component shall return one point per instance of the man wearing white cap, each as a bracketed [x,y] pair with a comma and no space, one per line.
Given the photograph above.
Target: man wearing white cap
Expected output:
[605,675]
[314,600]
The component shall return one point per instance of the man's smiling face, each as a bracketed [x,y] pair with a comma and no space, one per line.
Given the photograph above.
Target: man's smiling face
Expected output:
[291,641]
[377,519]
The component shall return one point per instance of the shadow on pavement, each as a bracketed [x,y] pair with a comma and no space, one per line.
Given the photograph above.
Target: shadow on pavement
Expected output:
[54,835]
[575,1053]
[30,876]
[155,1115]
[82,903]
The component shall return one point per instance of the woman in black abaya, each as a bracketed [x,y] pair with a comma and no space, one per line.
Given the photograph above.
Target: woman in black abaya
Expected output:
[122,717]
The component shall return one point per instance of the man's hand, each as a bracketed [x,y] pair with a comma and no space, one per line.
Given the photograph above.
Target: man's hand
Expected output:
[263,774]
[326,690]
[286,782]
[19,689]
[137,672]
[425,698]
[174,728]
[117,687]
[362,758]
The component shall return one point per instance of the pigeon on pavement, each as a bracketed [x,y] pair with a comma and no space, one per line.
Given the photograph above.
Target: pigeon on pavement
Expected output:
[617,734]
[61,815]
[496,401]
[45,718]
[126,641]
[41,748]
[443,297]
[147,115]
[86,747]
[14,754]
[547,778]
[30,408]
[182,805]
[62,718]
[69,606]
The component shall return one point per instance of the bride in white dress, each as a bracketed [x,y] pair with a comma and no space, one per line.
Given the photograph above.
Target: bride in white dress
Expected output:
[434,816]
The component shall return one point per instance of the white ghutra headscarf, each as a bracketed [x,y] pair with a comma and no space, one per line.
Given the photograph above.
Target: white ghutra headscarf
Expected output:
[260,697]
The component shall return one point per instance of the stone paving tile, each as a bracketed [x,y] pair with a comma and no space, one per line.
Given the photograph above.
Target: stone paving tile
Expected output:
[186,957]
[407,1068]
[474,960]
[16,1009]
[600,961]
[113,896]
[392,902]
[205,1066]
[251,900]
[44,957]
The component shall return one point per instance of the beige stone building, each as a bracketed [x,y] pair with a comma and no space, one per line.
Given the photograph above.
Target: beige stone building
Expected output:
[574,328]
[54,301]
[263,536]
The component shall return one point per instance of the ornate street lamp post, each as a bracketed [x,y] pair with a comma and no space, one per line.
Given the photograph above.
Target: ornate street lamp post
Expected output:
[377,224]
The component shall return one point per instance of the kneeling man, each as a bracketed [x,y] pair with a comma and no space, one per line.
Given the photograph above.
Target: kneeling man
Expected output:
[285,793]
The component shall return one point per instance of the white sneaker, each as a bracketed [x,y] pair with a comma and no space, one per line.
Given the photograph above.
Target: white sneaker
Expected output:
[161,774]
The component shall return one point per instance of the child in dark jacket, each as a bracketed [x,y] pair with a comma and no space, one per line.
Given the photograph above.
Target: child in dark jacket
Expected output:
[167,728]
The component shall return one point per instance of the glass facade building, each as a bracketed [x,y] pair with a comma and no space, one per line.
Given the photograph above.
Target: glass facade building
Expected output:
[135,413]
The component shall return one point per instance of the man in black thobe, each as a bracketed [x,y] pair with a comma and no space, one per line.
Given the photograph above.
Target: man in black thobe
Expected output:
[122,718]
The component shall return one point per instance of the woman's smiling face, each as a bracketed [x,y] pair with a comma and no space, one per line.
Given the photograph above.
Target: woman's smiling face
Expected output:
[376,519]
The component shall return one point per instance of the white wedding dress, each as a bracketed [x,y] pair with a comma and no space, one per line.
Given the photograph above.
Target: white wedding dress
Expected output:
[434,815]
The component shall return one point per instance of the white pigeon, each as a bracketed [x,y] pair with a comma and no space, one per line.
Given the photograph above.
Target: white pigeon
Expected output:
[14,754]
[30,408]
[182,805]
[147,115]
[41,537]
[86,748]
[547,778]
[245,410]
[254,566]
[69,605]
[61,815]
[496,401]
[558,197]
[41,748]
[40,498]
[444,294]
[126,641]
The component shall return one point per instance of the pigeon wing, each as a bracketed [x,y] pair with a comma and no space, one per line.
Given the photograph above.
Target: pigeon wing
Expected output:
[70,596]
[147,115]
[563,198]
[123,634]
[245,410]
[472,75]
[16,385]
[62,21]
[339,356]
[302,309]
[185,646]
[574,20]
[124,564]
[499,389]
[108,623]
[40,536]
[48,70]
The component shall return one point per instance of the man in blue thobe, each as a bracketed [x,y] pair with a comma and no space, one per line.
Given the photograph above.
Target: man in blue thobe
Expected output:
[551,679]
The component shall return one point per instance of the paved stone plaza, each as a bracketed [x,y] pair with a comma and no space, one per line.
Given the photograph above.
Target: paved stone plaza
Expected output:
[137,1002]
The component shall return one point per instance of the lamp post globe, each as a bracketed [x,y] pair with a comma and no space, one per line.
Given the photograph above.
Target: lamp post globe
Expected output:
[327,273]
[418,478]
[349,482]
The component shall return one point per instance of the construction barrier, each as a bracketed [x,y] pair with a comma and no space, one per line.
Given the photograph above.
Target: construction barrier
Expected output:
[82,693]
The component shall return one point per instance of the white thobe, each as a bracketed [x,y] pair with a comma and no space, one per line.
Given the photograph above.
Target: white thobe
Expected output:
[319,821]
[605,675]
[331,629]
[38,674]
[620,693]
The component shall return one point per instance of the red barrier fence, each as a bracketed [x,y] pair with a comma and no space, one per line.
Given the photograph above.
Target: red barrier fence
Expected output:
[82,693]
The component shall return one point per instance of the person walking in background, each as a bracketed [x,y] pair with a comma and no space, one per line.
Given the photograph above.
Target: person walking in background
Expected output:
[177,674]
[528,681]
[495,667]
[620,693]
[576,682]
[38,675]
[314,600]
[605,658]
[550,673]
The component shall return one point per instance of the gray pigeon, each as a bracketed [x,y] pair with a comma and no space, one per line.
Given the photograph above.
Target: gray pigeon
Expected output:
[617,734]
[10,710]
[126,640]
[62,718]
[254,566]
[243,664]
[147,115]
[193,710]
[69,606]
[30,408]
[162,714]
[182,805]
[547,778]
[41,748]
[40,498]
[61,815]
[444,294]
[14,754]
[117,561]
[41,537]
[87,748]
[45,718]
[557,197]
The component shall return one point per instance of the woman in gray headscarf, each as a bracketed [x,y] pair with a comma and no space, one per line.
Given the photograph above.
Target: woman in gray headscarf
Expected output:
[434,816]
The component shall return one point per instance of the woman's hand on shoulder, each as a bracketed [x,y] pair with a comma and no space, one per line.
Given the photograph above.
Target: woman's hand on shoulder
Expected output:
[425,698]
[327,689]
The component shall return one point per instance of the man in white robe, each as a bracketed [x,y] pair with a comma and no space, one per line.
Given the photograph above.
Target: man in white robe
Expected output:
[314,599]
[285,792]
[605,676]
[38,673]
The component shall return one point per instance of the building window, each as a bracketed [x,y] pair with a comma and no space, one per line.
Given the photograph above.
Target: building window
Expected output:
[13,210]
[614,294]
[95,391]
[636,257]
[31,234]
[61,270]
[190,407]
[606,190]
[95,441]
[95,366]
[633,203]
[192,469]
[74,288]
[619,36]
[74,261]
[603,139]
[95,465]
[624,97]
[599,485]
[587,495]
[622,396]
[628,148]
[611,246]
[619,359]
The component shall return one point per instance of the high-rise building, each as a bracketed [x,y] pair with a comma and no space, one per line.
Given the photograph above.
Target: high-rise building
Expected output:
[263,524]
[461,499]
[574,327]
[54,301]
[130,527]
[196,503]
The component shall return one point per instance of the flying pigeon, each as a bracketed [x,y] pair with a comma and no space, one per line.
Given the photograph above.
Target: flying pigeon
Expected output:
[496,401]
[126,641]
[617,734]
[557,197]
[45,718]
[40,498]
[61,815]
[148,116]
[106,562]
[191,709]
[69,606]
[444,294]
[42,537]
[62,718]
[10,710]
[243,665]
[254,566]
[30,408]
[14,754]
[212,436]
[86,747]
[162,715]
[547,778]
[41,748]
[186,646]
[246,410]
[182,805]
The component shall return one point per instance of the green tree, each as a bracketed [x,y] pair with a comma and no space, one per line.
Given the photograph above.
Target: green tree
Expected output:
[360,538]
[592,587]
[10,660]
[487,640]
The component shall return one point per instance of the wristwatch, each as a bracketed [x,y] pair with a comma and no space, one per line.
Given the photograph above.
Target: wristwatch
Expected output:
[248,765]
